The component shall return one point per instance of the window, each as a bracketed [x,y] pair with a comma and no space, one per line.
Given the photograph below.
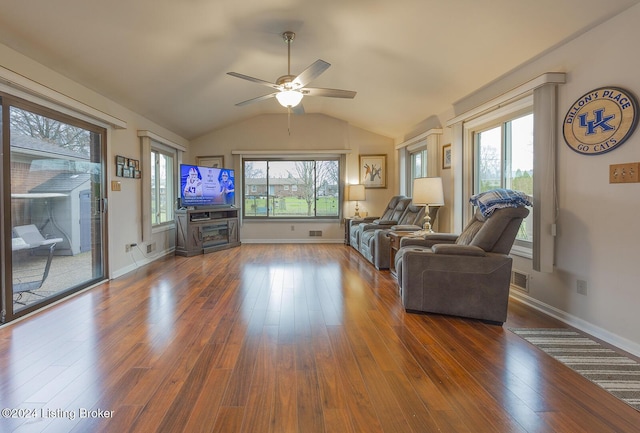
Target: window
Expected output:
[418,166]
[537,96]
[162,185]
[54,169]
[504,159]
[306,188]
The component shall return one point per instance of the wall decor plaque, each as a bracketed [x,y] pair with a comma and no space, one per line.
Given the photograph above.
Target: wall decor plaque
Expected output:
[600,121]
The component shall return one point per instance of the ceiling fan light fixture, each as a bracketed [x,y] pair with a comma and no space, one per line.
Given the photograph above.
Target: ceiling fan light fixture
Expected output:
[289,98]
[291,88]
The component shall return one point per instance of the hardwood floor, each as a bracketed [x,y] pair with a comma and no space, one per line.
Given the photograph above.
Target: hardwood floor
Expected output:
[283,338]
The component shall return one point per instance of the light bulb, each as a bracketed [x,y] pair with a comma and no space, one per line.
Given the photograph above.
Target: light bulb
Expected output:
[289,98]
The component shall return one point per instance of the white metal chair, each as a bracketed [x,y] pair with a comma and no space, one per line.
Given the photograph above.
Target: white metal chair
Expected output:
[27,238]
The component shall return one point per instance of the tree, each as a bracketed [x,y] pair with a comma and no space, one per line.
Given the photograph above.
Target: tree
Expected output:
[489,170]
[305,174]
[251,172]
[523,182]
[51,131]
[327,173]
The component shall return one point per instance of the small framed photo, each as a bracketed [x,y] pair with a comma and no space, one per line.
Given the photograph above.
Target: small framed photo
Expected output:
[373,171]
[210,161]
[446,156]
[119,170]
[138,174]
[119,159]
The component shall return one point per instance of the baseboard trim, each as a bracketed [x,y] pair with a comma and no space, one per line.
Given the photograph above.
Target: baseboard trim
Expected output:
[576,322]
[141,262]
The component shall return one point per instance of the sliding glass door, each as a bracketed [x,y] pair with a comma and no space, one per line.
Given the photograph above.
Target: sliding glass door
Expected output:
[53,206]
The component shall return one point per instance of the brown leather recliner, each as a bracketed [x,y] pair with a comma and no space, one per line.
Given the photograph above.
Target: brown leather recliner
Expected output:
[467,275]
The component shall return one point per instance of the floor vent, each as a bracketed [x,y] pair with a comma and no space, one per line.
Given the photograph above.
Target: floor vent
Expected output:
[315,232]
[520,280]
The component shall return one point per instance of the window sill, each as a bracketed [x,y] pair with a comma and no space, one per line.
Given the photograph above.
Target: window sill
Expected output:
[290,220]
[163,227]
[520,251]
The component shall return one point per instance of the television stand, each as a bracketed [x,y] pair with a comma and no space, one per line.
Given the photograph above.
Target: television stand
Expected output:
[205,230]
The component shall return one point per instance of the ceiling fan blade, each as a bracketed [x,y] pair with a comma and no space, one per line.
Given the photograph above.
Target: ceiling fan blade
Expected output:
[258,99]
[255,80]
[331,93]
[298,109]
[311,73]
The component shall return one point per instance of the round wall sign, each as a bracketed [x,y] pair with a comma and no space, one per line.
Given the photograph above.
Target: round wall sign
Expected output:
[600,121]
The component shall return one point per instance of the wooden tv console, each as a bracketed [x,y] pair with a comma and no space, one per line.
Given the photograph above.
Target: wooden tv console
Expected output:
[204,230]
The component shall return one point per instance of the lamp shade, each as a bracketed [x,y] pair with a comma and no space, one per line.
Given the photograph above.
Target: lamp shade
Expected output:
[355,192]
[428,191]
[289,98]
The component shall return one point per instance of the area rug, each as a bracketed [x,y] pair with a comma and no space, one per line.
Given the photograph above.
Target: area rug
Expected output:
[616,373]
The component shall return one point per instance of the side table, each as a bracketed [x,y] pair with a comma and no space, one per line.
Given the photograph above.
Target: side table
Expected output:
[394,246]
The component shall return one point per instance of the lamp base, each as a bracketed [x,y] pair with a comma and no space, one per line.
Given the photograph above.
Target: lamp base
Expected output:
[427,222]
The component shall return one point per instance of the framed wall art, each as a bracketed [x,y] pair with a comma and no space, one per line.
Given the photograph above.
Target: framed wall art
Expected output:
[210,161]
[373,171]
[446,156]
[127,167]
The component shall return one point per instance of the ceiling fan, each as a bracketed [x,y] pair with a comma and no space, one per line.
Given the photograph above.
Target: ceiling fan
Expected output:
[290,88]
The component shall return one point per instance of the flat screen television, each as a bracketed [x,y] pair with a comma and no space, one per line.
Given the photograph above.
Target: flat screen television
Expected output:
[206,186]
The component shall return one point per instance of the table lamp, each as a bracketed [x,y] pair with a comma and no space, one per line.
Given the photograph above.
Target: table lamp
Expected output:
[356,193]
[428,191]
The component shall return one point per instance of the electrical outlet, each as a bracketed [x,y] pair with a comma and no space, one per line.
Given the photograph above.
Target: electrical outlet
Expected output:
[127,248]
[293,228]
[581,287]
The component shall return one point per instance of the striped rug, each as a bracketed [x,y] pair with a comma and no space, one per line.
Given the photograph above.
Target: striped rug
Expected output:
[610,370]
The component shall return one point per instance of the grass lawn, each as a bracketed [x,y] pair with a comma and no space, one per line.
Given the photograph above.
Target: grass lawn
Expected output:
[290,206]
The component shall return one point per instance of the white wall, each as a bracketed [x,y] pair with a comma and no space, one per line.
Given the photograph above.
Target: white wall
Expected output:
[124,215]
[598,234]
[310,132]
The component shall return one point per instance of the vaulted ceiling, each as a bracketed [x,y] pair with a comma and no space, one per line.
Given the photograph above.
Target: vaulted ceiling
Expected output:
[407,59]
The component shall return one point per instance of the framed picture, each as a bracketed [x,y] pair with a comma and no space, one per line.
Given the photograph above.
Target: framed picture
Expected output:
[373,171]
[210,161]
[128,167]
[446,156]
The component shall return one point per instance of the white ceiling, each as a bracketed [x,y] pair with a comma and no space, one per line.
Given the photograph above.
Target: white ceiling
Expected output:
[407,59]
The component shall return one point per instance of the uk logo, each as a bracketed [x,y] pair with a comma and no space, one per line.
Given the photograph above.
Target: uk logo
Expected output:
[600,121]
